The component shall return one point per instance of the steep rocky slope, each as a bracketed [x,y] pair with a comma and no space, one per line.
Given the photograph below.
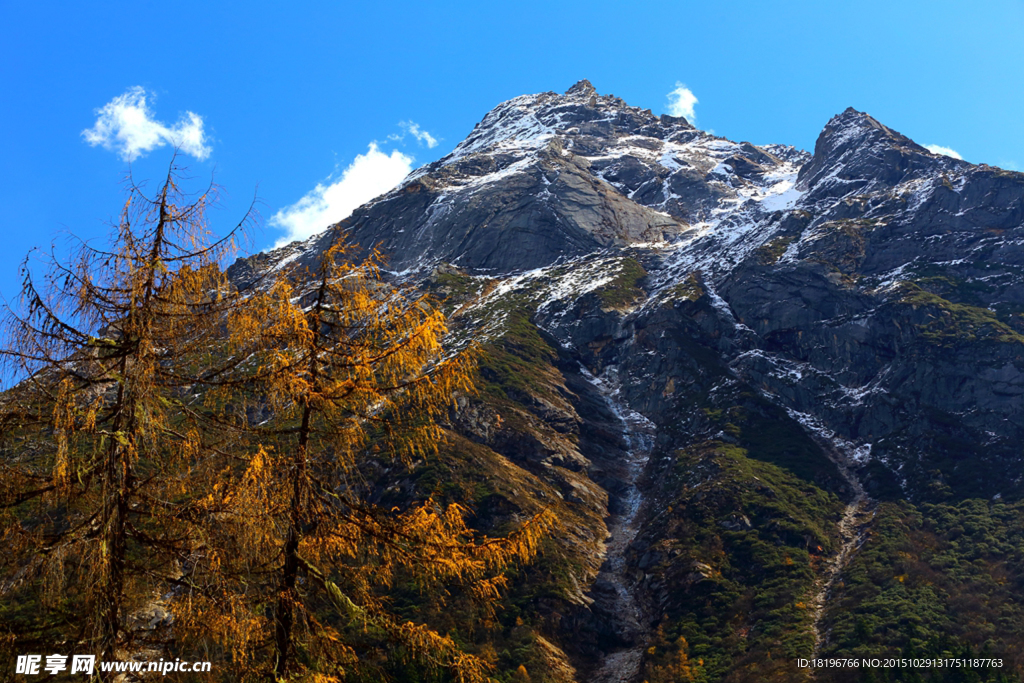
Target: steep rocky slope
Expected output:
[723,364]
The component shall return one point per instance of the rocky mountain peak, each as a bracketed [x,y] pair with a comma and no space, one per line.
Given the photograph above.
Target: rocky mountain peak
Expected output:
[854,151]
[529,122]
[582,88]
[546,177]
[857,128]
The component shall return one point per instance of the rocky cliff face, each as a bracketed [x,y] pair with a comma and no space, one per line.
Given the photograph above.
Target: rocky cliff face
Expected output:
[794,335]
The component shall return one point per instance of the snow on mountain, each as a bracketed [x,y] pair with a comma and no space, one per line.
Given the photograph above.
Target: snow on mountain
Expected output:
[549,193]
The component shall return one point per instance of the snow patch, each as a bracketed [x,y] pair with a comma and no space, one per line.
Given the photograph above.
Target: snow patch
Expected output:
[856,453]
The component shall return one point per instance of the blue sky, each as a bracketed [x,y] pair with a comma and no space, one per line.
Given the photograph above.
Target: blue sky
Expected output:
[276,100]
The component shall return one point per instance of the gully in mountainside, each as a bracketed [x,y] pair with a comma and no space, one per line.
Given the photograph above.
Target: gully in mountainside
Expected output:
[615,590]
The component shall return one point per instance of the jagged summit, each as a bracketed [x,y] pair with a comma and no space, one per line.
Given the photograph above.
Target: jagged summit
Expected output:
[856,150]
[546,177]
[549,177]
[857,127]
[528,122]
[583,87]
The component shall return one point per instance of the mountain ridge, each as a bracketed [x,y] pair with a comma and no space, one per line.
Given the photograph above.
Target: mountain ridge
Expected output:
[822,344]
[548,179]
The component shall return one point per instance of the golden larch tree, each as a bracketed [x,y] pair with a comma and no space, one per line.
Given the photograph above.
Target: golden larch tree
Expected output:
[98,460]
[350,372]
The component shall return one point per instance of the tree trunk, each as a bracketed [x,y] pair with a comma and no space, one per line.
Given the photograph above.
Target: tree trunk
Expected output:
[117,481]
[286,596]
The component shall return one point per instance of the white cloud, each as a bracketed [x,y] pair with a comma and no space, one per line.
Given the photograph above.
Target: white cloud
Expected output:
[945,151]
[368,176]
[126,125]
[413,128]
[681,102]
[423,136]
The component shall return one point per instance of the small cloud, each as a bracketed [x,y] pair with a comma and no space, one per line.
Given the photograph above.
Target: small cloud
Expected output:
[368,176]
[681,102]
[126,125]
[412,128]
[1010,165]
[945,151]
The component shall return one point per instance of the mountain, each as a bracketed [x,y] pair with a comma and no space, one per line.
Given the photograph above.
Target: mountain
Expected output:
[776,398]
